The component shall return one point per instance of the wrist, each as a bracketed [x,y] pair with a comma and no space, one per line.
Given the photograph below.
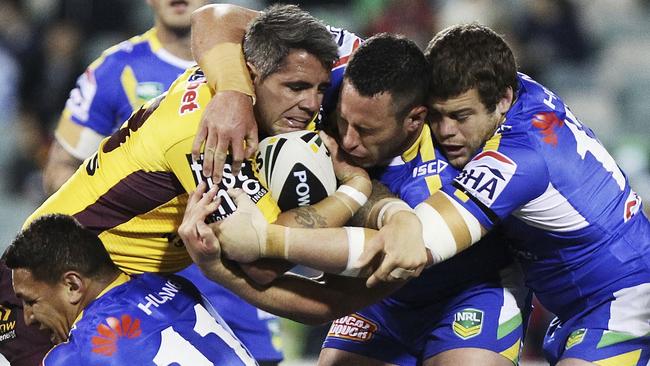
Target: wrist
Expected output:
[225,69]
[276,242]
[360,182]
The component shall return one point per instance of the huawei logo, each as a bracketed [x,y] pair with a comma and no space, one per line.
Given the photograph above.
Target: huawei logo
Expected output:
[105,343]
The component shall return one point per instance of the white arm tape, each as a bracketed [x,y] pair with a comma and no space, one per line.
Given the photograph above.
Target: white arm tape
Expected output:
[356,240]
[353,193]
[437,235]
[382,212]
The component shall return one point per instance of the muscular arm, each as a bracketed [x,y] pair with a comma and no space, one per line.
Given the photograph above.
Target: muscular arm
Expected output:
[218,23]
[60,166]
[228,122]
[303,299]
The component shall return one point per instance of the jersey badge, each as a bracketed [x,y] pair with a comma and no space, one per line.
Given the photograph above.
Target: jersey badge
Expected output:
[547,123]
[486,176]
[108,334]
[149,90]
[353,327]
[576,337]
[468,323]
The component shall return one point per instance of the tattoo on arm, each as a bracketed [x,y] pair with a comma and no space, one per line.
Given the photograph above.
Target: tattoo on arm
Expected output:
[308,217]
[379,191]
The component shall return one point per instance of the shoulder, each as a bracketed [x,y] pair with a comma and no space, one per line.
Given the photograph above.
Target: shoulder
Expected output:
[64,354]
[121,54]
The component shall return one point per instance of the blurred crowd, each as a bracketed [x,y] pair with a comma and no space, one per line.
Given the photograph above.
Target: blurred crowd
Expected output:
[594,53]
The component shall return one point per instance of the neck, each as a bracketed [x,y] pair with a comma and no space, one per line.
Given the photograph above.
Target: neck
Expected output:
[176,42]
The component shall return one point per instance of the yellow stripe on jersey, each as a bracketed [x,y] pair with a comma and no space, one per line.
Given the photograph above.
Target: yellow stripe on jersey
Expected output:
[428,153]
[625,359]
[493,143]
[133,192]
[129,85]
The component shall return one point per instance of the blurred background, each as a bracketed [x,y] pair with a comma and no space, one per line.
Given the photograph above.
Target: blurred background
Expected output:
[594,53]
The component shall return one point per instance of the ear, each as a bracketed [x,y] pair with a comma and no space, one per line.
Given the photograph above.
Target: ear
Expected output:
[75,286]
[415,118]
[503,105]
[255,74]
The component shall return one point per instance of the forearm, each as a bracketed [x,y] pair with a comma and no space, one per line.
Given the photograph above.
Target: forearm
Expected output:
[60,166]
[331,250]
[303,299]
[333,211]
[218,23]
[217,34]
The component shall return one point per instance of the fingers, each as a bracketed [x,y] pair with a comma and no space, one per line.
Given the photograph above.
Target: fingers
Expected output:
[237,156]
[219,158]
[210,241]
[370,251]
[198,140]
[208,155]
[252,141]
[240,197]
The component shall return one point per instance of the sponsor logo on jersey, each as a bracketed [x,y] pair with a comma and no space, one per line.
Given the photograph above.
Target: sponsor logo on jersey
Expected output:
[246,180]
[487,175]
[632,205]
[189,101]
[429,168]
[548,123]
[353,327]
[576,337]
[149,90]
[468,323]
[111,331]
[81,97]
[7,324]
[166,293]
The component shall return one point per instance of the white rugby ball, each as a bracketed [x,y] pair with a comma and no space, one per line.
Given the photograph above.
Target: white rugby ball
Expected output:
[296,167]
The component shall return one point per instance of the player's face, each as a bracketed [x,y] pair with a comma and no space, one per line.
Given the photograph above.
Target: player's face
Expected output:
[368,129]
[462,125]
[44,305]
[288,99]
[175,14]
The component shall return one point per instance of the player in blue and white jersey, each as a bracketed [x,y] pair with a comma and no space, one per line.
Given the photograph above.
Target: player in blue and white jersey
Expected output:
[117,83]
[100,316]
[531,165]
[448,315]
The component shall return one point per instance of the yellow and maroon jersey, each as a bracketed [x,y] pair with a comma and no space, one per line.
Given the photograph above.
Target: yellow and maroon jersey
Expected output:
[133,191]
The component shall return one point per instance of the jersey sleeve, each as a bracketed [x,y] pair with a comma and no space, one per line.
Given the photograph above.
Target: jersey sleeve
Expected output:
[95,107]
[497,182]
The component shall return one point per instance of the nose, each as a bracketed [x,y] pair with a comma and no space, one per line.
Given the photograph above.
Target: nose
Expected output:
[28,316]
[349,139]
[446,127]
[311,101]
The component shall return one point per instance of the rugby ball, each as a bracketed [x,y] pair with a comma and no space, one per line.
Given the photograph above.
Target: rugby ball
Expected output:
[296,168]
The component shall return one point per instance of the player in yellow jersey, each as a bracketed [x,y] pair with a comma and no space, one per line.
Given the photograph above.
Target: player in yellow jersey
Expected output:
[132,192]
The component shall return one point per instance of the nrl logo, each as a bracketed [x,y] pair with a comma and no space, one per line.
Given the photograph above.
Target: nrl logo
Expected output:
[468,323]
[576,337]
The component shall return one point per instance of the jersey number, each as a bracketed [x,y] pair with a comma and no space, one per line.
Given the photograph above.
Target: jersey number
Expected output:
[175,350]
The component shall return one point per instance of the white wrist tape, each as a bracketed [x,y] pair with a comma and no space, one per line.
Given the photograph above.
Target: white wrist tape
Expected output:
[448,233]
[403,206]
[356,240]
[353,193]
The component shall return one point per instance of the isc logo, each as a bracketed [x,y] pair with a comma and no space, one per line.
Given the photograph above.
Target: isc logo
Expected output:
[432,167]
